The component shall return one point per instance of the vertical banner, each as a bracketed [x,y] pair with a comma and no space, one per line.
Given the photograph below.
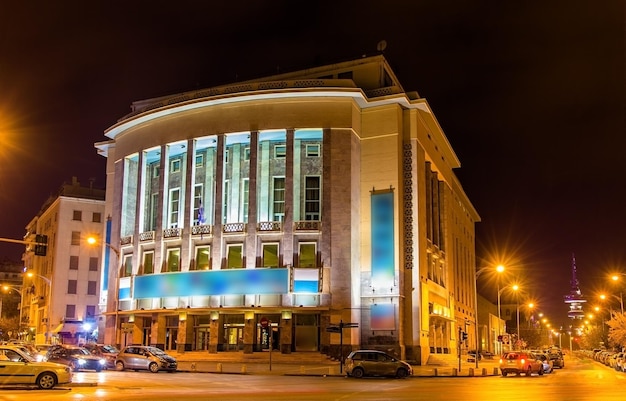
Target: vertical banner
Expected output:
[383,268]
[107,257]
[383,317]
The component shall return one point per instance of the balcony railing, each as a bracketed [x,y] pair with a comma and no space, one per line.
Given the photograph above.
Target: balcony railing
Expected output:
[202,230]
[234,227]
[307,225]
[270,226]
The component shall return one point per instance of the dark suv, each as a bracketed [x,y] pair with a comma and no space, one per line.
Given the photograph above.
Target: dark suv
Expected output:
[375,363]
[556,356]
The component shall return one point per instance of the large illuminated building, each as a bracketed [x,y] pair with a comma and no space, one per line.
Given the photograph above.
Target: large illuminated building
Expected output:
[270,211]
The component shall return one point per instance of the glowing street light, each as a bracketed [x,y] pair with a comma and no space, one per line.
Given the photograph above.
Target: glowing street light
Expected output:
[616,277]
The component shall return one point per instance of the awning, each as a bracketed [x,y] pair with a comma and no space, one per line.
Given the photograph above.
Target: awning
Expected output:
[68,328]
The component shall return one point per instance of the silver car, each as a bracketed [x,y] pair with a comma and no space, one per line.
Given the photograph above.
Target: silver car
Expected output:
[376,363]
[143,357]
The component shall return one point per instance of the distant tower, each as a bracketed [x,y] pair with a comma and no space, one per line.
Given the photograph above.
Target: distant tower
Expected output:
[575,299]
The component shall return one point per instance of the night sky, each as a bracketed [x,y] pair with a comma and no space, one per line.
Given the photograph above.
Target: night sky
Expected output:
[530,96]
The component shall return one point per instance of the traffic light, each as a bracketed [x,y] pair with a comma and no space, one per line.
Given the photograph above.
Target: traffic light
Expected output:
[41,245]
[463,336]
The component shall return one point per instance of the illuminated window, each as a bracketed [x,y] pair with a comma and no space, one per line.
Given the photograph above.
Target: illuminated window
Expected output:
[308,254]
[174,207]
[173,259]
[203,258]
[148,262]
[235,256]
[270,255]
[279,199]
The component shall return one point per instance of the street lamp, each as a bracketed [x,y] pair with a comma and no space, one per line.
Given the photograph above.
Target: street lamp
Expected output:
[616,277]
[513,287]
[477,273]
[49,317]
[93,241]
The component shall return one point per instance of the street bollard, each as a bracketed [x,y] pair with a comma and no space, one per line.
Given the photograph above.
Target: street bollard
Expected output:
[219,368]
[455,372]
[471,372]
[495,371]
[435,372]
[244,369]
[484,371]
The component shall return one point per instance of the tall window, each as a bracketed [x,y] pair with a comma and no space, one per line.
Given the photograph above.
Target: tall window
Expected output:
[279,199]
[75,237]
[93,264]
[91,311]
[71,286]
[235,256]
[225,203]
[148,262]
[173,260]
[174,207]
[245,191]
[91,287]
[270,255]
[203,258]
[312,198]
[70,311]
[78,215]
[307,256]
[73,262]
[199,210]
[127,269]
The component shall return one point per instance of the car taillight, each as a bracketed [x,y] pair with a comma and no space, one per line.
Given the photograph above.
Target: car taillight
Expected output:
[523,361]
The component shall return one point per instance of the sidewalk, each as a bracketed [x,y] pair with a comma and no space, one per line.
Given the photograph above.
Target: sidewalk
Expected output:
[309,364]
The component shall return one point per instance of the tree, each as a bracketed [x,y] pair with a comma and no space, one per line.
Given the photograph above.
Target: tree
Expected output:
[9,327]
[617,329]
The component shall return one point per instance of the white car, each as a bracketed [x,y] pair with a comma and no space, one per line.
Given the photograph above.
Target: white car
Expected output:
[17,367]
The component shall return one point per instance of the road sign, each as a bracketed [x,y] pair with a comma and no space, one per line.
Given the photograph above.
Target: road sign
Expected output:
[349,325]
[333,329]
[264,322]
[505,339]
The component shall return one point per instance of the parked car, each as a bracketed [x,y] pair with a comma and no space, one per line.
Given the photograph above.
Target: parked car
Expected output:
[471,356]
[18,367]
[143,357]
[77,358]
[108,352]
[42,351]
[520,362]
[375,363]
[556,356]
[548,365]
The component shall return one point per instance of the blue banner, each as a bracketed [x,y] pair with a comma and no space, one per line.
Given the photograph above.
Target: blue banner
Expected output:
[383,256]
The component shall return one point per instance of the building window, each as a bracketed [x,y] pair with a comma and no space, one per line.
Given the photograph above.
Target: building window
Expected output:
[279,199]
[203,258]
[280,151]
[226,155]
[93,264]
[90,311]
[70,311]
[174,207]
[246,153]
[199,160]
[128,266]
[75,237]
[73,262]
[71,286]
[312,198]
[96,217]
[198,207]
[245,192]
[78,215]
[156,170]
[173,259]
[313,150]
[307,256]
[175,166]
[235,256]
[270,255]
[148,262]
[225,202]
[91,287]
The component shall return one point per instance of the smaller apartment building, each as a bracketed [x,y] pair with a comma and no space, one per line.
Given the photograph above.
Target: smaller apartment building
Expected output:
[60,295]
[264,213]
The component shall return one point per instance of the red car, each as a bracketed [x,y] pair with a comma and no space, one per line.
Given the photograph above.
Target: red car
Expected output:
[520,362]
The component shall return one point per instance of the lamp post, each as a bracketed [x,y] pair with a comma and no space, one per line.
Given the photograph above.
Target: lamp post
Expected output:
[49,317]
[93,241]
[499,269]
[616,277]
[477,274]
[513,287]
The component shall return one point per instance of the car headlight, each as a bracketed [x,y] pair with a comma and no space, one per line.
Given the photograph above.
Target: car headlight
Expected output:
[102,361]
[81,362]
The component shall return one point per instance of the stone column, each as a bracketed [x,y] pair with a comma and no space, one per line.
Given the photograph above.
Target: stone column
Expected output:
[286,336]
[214,335]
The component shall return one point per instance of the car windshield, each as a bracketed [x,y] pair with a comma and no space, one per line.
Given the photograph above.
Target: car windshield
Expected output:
[79,351]
[110,349]
[155,351]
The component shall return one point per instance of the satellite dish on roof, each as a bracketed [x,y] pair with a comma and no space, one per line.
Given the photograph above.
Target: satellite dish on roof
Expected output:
[381,46]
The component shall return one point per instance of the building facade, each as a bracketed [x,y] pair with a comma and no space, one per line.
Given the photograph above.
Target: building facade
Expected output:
[269,213]
[60,294]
